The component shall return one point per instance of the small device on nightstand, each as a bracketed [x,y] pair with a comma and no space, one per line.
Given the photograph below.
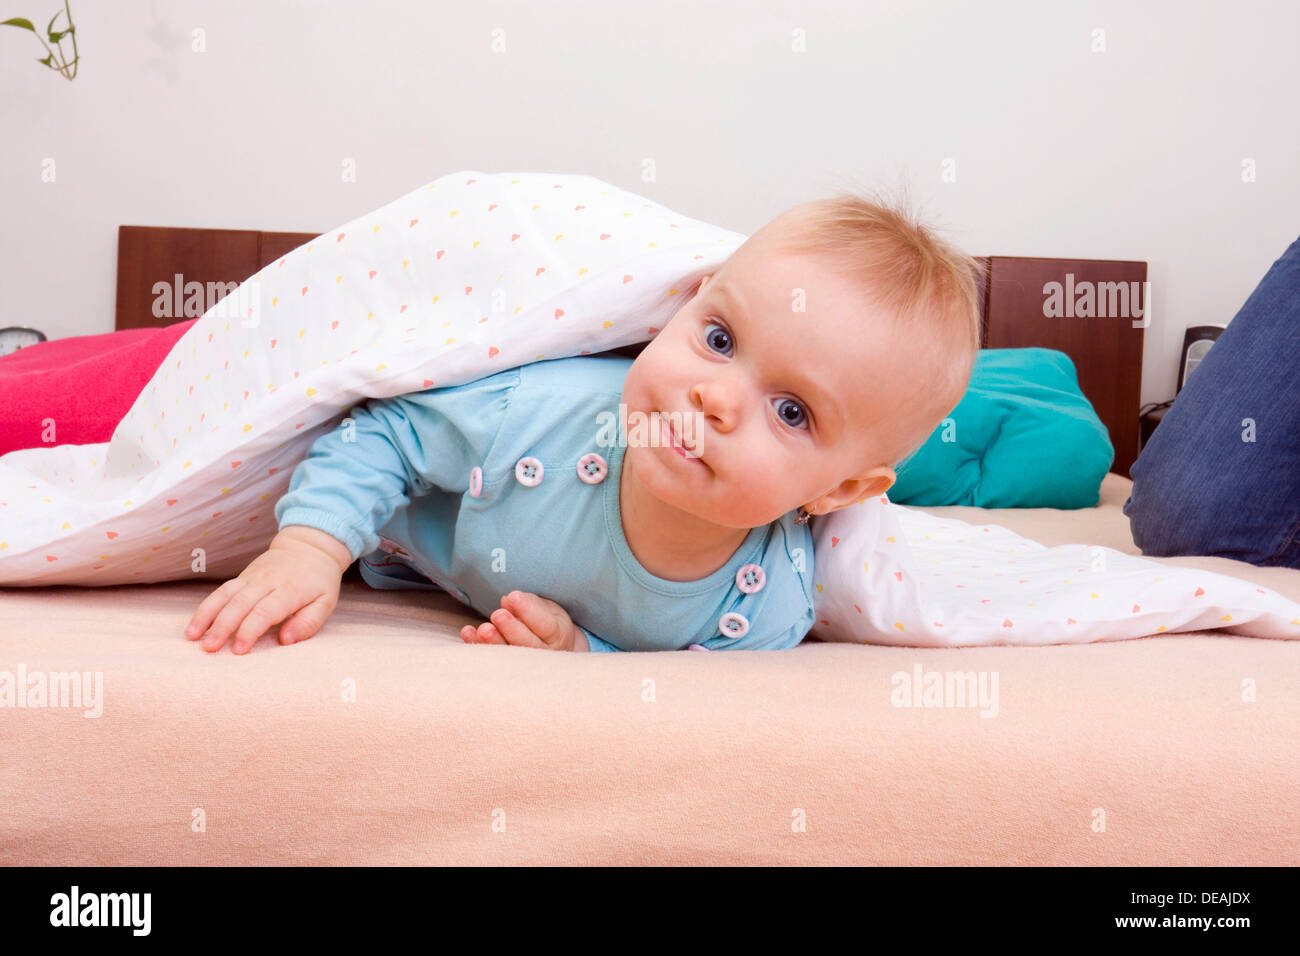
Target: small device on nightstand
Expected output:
[1196,345]
[1197,340]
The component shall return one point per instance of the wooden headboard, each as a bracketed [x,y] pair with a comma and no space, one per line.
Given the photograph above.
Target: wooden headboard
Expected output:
[1015,310]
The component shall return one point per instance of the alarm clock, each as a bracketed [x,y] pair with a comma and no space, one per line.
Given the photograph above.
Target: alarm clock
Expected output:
[15,337]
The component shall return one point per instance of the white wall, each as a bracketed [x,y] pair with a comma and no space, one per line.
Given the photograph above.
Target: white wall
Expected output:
[1134,153]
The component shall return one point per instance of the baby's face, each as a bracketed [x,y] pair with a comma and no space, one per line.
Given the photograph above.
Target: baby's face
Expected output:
[782,407]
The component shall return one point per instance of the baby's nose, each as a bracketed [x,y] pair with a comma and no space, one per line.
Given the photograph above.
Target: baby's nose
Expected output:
[718,403]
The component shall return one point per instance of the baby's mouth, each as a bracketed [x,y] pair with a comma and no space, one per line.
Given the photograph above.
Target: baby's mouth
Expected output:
[670,439]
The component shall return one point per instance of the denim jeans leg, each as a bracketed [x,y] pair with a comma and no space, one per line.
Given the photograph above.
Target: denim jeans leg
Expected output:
[1221,474]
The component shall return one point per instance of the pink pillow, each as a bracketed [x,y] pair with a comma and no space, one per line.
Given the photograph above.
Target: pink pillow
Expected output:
[86,384]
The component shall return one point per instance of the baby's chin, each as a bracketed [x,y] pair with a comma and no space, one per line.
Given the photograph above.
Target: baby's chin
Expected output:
[727,508]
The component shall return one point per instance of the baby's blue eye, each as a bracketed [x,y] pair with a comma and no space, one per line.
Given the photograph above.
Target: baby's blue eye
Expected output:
[791,412]
[718,340]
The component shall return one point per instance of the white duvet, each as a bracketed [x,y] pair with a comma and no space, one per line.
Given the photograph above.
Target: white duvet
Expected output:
[463,277]
[887,574]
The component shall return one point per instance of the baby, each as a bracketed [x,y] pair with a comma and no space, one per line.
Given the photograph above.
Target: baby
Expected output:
[604,503]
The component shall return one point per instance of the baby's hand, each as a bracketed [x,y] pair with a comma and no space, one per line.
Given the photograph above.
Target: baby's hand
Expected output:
[296,580]
[527,620]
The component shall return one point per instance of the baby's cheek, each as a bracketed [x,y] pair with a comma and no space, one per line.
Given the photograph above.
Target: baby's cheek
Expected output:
[760,498]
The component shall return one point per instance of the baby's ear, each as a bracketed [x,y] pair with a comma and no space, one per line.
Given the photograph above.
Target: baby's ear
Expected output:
[885,485]
[868,484]
[877,482]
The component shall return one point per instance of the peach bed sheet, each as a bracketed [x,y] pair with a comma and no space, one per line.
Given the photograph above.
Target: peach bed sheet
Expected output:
[384,739]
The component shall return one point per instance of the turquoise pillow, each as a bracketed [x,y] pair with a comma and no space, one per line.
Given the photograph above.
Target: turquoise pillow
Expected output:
[1023,436]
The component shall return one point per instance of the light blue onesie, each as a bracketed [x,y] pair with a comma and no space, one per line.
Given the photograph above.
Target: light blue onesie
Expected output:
[500,484]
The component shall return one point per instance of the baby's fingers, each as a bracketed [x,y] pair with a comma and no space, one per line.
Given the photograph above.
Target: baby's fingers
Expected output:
[485,633]
[542,616]
[244,618]
[514,630]
[273,608]
[210,606]
[307,621]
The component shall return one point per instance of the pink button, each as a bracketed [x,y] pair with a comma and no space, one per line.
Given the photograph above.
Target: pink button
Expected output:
[697,647]
[592,468]
[475,481]
[750,578]
[529,472]
[733,625]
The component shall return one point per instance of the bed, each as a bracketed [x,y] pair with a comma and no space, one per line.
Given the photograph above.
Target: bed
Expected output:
[384,739]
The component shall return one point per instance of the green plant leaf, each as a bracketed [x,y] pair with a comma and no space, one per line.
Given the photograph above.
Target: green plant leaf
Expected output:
[49,31]
[47,60]
[19,22]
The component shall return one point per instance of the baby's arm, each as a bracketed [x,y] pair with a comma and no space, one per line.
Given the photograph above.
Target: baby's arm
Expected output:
[359,474]
[323,530]
[354,478]
[352,481]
